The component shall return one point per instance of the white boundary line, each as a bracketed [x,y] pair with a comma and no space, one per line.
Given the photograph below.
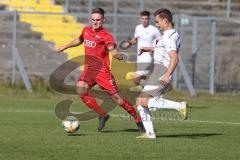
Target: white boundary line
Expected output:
[124,116]
[216,122]
[199,121]
[25,111]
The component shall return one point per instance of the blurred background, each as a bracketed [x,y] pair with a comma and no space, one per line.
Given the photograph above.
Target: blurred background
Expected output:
[209,29]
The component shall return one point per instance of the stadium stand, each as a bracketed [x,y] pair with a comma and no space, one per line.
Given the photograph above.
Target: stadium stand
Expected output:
[189,7]
[227,33]
[38,56]
[56,28]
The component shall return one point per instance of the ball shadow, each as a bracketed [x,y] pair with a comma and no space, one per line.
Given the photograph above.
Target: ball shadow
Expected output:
[76,134]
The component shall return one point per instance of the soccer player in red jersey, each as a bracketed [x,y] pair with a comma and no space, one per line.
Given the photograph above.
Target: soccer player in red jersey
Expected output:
[98,42]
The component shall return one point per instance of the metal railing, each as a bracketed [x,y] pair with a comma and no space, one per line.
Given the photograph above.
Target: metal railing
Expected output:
[202,49]
[141,4]
[16,59]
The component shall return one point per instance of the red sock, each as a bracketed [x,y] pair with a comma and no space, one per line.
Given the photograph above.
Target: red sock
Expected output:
[91,102]
[131,110]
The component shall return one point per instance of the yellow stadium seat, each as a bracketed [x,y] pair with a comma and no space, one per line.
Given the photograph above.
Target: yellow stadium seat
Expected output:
[56,28]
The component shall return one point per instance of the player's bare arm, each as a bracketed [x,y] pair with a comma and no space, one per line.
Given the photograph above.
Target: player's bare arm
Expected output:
[118,55]
[133,41]
[73,43]
[172,65]
[146,49]
[127,44]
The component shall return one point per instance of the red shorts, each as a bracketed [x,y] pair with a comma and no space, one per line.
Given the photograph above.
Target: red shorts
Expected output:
[105,80]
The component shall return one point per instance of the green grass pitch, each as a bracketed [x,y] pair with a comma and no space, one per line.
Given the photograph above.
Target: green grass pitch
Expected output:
[30,130]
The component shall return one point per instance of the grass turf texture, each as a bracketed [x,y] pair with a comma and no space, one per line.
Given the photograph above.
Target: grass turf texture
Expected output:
[30,130]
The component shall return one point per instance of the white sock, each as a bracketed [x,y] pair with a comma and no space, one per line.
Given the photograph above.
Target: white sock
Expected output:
[156,102]
[146,116]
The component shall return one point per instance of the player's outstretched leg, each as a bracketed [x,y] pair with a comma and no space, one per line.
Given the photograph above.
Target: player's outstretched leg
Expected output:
[102,120]
[146,117]
[91,102]
[127,106]
[147,121]
[161,103]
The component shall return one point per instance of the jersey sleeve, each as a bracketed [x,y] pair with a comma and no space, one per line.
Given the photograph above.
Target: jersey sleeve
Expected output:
[171,44]
[109,42]
[136,33]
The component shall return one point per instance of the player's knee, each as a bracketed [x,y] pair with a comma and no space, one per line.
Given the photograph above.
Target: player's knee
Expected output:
[81,88]
[138,101]
[81,91]
[142,101]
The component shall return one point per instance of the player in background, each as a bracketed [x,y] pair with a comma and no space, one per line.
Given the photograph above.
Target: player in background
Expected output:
[98,42]
[144,36]
[165,55]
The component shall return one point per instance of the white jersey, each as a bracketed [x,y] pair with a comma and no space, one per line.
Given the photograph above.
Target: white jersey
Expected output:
[169,41]
[145,37]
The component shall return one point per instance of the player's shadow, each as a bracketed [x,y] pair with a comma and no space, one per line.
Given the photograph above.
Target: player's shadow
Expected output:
[123,130]
[76,134]
[203,107]
[189,135]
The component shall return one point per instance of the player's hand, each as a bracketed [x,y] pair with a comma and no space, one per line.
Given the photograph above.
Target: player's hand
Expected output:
[125,45]
[146,49]
[164,80]
[60,49]
[143,49]
[122,56]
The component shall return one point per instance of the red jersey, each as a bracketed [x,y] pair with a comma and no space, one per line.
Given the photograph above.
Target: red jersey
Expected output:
[96,66]
[96,52]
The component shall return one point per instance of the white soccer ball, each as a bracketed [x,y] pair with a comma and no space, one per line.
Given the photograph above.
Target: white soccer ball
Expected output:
[71,124]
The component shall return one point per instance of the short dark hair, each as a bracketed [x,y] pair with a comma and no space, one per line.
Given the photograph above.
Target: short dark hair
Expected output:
[99,11]
[145,13]
[164,13]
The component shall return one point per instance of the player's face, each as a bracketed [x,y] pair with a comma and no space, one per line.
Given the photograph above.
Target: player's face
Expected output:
[160,22]
[144,21]
[97,21]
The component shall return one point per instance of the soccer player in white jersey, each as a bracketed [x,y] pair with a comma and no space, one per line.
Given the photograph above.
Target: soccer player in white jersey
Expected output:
[165,55]
[144,36]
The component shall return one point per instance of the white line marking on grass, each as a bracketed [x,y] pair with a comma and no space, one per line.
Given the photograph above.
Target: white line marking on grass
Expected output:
[124,116]
[26,111]
[199,121]
[216,122]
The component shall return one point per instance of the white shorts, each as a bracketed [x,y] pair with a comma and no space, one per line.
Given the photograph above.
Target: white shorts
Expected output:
[153,86]
[144,64]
